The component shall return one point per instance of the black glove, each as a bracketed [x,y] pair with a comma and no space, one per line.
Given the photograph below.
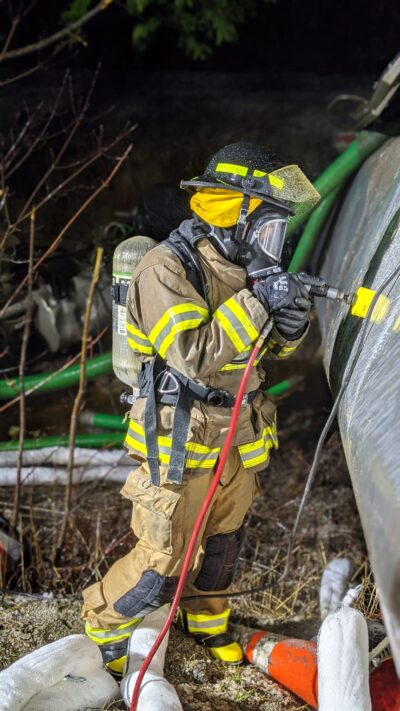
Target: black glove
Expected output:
[284,296]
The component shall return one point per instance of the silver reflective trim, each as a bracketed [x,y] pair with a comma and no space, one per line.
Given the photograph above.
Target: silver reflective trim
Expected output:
[209,624]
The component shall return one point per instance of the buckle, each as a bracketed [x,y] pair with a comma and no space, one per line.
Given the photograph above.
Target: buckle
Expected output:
[217,398]
[245,400]
[129,398]
[169,384]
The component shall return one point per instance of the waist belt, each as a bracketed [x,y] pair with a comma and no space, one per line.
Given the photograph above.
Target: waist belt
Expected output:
[167,386]
[172,381]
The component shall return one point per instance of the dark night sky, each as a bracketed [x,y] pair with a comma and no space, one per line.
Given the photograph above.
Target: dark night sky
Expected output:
[312,36]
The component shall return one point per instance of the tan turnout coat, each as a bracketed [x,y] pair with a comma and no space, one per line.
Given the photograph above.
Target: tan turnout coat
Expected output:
[208,342]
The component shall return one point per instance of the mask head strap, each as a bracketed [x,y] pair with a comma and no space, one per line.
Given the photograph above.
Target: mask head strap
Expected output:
[241,223]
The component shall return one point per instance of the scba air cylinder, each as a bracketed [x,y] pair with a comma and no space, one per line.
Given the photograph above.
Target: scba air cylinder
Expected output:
[126,256]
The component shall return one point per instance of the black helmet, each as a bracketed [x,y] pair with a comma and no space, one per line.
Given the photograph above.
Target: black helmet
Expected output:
[271,189]
[244,167]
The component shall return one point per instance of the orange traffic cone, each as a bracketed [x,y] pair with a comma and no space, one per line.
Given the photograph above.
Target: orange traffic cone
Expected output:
[385,688]
[291,662]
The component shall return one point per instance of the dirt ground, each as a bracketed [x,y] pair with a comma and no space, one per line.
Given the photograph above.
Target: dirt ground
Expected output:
[97,535]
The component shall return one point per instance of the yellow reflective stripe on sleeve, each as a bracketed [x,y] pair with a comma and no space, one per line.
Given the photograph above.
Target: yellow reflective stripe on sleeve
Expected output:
[198,456]
[146,350]
[280,351]
[229,329]
[232,366]
[186,325]
[286,350]
[138,340]
[236,324]
[182,317]
[243,318]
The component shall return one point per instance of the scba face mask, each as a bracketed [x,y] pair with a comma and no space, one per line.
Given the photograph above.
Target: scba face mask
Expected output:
[266,235]
[263,241]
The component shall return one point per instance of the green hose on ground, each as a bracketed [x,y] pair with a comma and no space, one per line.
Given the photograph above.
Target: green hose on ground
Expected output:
[100,419]
[99,365]
[94,441]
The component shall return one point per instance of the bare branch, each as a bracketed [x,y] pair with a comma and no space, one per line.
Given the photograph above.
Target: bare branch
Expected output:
[82,167]
[78,399]
[20,136]
[105,183]
[64,146]
[14,25]
[57,36]
[24,347]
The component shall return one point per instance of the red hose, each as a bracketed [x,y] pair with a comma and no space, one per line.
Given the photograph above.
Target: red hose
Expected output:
[206,504]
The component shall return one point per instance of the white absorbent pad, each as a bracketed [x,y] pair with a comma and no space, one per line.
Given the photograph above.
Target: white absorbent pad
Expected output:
[343,662]
[156,693]
[74,656]
[76,693]
[334,583]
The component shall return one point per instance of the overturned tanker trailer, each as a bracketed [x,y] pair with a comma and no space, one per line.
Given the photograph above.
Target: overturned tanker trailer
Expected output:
[364,250]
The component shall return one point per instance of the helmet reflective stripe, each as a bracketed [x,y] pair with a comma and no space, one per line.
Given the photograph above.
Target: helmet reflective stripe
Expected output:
[242,170]
[230,168]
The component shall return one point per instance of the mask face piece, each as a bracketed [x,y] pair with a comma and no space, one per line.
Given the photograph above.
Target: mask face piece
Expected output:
[266,235]
[263,239]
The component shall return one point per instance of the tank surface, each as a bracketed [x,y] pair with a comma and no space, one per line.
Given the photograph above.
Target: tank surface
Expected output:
[364,248]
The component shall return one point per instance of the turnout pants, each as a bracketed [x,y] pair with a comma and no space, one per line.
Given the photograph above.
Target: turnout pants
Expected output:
[162,520]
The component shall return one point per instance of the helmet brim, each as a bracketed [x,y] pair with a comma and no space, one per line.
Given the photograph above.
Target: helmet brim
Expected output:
[244,186]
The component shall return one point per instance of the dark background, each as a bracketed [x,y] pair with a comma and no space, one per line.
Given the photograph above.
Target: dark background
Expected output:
[321,37]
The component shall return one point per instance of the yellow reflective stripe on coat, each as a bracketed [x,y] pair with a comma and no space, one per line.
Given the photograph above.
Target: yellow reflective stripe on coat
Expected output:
[236,324]
[255,453]
[182,317]
[208,624]
[138,340]
[198,456]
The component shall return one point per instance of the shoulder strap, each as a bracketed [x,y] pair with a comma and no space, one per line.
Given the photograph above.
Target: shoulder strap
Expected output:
[186,253]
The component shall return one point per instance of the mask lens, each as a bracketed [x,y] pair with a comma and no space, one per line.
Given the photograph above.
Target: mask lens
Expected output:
[270,236]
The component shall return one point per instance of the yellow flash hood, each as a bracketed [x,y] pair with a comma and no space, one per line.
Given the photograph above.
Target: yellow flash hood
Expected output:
[220,207]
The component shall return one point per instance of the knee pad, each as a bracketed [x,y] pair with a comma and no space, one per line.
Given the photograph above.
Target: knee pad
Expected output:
[151,592]
[220,560]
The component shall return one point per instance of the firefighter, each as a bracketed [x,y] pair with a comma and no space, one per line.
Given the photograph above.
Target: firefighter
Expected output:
[195,305]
